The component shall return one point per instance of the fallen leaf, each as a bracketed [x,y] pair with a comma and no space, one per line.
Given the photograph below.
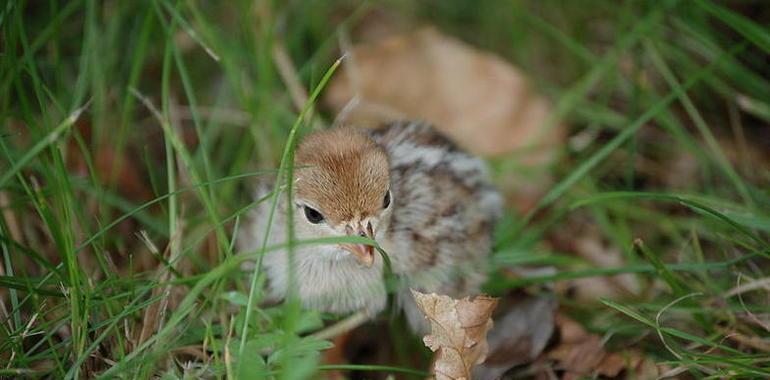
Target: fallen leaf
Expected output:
[480,101]
[585,240]
[111,169]
[463,90]
[580,354]
[458,332]
[521,331]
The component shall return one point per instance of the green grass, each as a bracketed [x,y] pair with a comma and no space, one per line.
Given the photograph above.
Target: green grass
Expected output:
[108,135]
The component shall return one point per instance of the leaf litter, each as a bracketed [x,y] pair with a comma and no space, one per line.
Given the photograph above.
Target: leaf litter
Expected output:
[458,332]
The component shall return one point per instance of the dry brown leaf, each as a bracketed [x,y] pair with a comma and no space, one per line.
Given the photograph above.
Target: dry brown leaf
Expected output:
[601,254]
[523,326]
[430,76]
[585,240]
[458,332]
[476,98]
[580,354]
[128,180]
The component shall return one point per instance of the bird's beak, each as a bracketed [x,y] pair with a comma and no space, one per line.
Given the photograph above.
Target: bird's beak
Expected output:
[362,252]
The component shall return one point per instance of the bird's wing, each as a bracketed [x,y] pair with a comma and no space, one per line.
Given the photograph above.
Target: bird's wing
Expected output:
[444,210]
[251,234]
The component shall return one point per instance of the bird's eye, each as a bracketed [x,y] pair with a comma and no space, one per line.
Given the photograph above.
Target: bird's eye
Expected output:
[313,216]
[386,201]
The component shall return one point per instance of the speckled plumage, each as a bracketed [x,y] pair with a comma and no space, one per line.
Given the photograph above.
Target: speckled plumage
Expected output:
[437,232]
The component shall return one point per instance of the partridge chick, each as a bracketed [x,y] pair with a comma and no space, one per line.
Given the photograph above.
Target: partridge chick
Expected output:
[427,204]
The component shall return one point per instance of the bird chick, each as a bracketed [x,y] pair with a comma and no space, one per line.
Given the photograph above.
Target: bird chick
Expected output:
[427,203]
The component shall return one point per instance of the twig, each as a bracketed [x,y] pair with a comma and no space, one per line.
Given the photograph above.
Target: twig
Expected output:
[343,326]
[658,328]
[147,104]
[749,286]
[10,217]
[155,314]
[288,73]
[220,115]
[193,350]
[353,74]
[339,328]
[739,289]
[354,80]
[754,342]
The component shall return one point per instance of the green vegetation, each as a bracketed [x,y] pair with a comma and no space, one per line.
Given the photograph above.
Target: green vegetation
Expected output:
[131,130]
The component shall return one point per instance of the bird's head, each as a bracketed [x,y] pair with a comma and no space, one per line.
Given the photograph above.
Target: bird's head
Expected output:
[342,188]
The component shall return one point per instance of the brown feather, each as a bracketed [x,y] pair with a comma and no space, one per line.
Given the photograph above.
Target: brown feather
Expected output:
[342,173]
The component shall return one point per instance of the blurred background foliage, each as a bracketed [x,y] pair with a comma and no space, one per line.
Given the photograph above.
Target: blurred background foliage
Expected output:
[131,131]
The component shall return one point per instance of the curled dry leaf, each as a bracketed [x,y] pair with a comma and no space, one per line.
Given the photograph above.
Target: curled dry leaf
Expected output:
[458,332]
